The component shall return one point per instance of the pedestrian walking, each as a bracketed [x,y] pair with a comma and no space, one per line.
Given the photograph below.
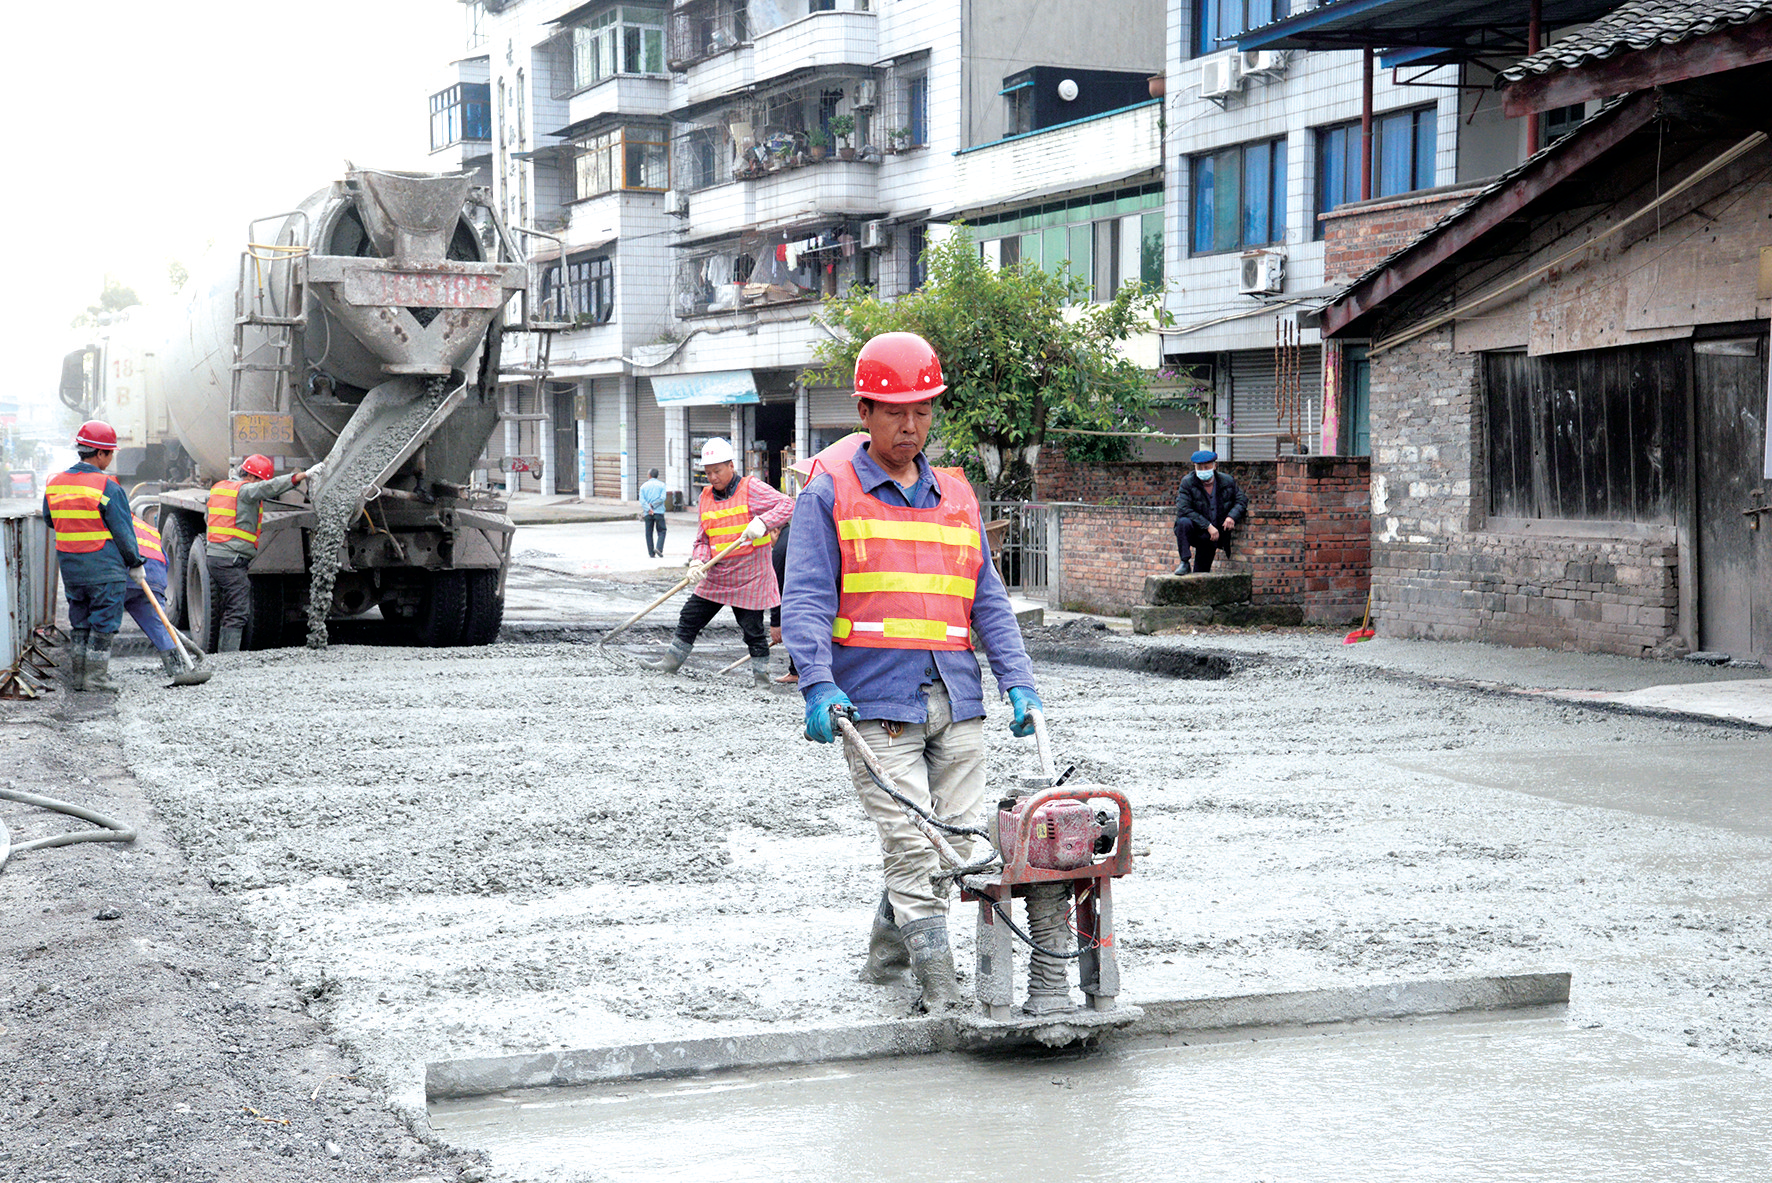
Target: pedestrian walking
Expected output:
[1209,507]
[652,502]
[888,576]
[231,540]
[732,506]
[95,549]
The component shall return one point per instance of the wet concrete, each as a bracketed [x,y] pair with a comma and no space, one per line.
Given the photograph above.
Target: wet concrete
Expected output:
[1701,782]
[1437,1099]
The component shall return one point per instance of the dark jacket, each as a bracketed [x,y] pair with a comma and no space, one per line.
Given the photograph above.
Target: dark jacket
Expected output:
[1193,504]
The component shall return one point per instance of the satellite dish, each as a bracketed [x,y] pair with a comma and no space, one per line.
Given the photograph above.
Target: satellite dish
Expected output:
[1067,89]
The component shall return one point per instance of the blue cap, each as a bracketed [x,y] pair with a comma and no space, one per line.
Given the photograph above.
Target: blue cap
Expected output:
[1205,456]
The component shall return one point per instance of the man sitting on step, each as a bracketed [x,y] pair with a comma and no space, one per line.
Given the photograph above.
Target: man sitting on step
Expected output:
[1208,507]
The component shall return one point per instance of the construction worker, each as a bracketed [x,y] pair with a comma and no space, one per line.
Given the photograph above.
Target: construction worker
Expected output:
[96,550]
[732,506]
[135,600]
[888,574]
[231,539]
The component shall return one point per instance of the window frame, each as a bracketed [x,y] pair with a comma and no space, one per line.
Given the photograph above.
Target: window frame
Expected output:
[1208,17]
[1203,169]
[608,44]
[1421,117]
[612,160]
[451,111]
[591,277]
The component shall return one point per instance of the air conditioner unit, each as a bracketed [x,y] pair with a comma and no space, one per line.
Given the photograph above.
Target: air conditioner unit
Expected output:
[867,93]
[874,236]
[1262,273]
[1266,62]
[676,203]
[1220,76]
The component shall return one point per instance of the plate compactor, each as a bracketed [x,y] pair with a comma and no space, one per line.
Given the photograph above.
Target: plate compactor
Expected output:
[1057,847]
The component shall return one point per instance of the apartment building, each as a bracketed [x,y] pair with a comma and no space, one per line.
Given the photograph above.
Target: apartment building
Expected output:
[1274,205]
[710,171]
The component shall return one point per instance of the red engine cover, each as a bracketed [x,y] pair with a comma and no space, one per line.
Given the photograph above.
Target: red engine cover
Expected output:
[1062,837]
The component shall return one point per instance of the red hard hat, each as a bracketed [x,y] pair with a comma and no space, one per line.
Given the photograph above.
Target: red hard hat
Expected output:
[257,467]
[96,433]
[898,368]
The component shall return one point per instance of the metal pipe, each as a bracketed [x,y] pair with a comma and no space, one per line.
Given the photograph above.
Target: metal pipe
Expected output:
[1366,125]
[1534,42]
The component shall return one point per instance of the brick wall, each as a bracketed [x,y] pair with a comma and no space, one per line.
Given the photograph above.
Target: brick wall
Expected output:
[1358,235]
[1138,482]
[1306,543]
[1439,571]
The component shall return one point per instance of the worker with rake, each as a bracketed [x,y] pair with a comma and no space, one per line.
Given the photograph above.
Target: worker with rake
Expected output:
[888,576]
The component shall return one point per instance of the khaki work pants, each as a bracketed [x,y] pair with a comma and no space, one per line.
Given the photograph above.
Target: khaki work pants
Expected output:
[939,765]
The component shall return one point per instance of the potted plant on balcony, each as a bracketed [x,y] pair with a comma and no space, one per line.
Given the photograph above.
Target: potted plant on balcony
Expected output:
[898,140]
[817,144]
[843,127]
[780,148]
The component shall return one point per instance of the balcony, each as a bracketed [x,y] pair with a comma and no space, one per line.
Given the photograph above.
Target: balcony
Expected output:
[461,114]
[1093,150]
[787,197]
[836,38]
[622,94]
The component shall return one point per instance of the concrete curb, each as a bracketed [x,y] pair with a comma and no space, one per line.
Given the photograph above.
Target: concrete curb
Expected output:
[1574,698]
[455,1079]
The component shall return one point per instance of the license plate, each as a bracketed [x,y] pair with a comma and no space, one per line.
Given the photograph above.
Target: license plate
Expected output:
[421,289]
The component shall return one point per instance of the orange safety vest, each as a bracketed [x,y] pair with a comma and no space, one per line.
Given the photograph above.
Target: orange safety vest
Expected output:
[219,514]
[147,540]
[76,511]
[722,521]
[909,575]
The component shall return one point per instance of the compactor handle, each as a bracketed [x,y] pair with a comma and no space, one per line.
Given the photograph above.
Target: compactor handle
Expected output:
[1043,745]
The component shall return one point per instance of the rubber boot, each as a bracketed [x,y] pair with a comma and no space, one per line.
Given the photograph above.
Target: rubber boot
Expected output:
[673,659]
[760,672]
[98,664]
[230,640]
[888,957]
[932,961]
[191,647]
[170,664]
[78,640]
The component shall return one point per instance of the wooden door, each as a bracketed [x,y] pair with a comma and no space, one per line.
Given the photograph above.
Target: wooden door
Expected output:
[1734,547]
[565,441]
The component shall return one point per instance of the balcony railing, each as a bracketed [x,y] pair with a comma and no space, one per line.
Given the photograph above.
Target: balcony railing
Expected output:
[701,29]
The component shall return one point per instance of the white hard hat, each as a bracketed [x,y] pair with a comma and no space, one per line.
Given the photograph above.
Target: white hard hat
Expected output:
[717,451]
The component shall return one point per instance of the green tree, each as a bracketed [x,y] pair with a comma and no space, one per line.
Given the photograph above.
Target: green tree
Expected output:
[114,298]
[177,275]
[1019,363]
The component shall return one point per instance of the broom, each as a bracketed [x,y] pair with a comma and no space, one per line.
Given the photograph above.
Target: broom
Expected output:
[1365,631]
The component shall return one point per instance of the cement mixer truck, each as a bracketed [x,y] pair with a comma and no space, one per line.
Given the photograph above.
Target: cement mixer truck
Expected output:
[357,335]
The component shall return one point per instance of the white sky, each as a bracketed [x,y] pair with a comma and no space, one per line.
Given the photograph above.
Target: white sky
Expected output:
[139,133]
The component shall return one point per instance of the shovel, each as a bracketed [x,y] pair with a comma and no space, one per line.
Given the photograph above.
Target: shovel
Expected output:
[623,627]
[1364,632]
[192,676]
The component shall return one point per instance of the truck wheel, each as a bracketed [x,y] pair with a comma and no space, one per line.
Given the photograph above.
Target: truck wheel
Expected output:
[202,612]
[177,534]
[264,621]
[440,617]
[486,609]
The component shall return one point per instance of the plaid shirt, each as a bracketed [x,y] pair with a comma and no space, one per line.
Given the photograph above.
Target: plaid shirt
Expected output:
[746,577]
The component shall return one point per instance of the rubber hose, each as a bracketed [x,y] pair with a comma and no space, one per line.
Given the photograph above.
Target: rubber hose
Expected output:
[113,831]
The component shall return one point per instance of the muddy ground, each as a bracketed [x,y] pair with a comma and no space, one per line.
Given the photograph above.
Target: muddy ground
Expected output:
[443,854]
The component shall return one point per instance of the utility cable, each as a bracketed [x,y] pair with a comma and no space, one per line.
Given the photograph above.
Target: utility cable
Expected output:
[113,831]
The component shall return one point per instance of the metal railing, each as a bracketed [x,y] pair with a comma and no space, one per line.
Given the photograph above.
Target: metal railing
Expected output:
[1022,550]
[27,600]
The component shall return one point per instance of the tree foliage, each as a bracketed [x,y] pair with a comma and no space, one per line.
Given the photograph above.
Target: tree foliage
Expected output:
[113,298]
[1025,354]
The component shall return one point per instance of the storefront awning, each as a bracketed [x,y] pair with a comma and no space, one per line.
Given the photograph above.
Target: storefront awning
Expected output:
[720,388]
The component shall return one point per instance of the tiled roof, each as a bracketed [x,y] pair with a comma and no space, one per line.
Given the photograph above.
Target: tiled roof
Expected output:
[1639,24]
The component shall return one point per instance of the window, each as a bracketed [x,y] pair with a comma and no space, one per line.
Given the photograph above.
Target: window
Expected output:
[1216,21]
[916,88]
[463,112]
[904,101]
[1018,102]
[1560,121]
[916,240]
[1403,146]
[1108,238]
[1239,197]
[625,158]
[617,41]
[701,29]
[589,293]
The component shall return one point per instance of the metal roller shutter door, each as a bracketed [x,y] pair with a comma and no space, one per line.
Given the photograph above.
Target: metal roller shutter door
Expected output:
[605,441]
[1254,405]
[830,413]
[650,444]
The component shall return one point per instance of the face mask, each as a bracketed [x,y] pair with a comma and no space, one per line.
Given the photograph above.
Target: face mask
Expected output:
[1204,474]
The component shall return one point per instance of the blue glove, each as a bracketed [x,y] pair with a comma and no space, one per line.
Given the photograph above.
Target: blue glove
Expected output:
[1023,699]
[820,698]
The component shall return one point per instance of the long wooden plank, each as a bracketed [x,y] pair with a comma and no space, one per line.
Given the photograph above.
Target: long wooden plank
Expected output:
[1659,65]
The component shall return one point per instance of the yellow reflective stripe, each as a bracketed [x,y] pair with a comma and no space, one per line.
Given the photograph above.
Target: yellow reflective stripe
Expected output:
[83,497]
[909,581]
[230,532]
[224,513]
[83,535]
[75,513]
[231,494]
[853,529]
[727,512]
[898,628]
